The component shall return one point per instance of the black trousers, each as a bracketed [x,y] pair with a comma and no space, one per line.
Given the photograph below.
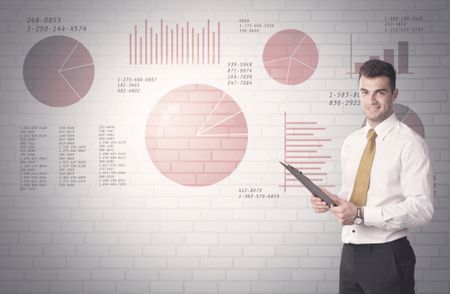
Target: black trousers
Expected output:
[386,268]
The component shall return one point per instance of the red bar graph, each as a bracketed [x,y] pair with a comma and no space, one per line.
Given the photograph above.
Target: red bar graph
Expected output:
[388,56]
[181,44]
[302,150]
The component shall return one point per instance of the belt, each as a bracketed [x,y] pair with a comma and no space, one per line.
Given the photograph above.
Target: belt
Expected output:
[396,243]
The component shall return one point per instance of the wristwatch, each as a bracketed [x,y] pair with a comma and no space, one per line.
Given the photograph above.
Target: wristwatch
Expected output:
[358,218]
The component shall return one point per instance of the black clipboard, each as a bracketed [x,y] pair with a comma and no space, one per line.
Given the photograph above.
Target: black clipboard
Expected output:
[308,184]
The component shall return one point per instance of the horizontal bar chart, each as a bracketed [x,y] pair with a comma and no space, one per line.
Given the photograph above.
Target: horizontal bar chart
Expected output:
[302,150]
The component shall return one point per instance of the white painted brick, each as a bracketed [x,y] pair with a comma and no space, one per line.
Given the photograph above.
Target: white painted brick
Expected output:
[209,275]
[242,275]
[292,250]
[99,286]
[26,250]
[34,238]
[300,287]
[327,15]
[40,275]
[210,227]
[435,275]
[176,275]
[201,287]
[50,262]
[183,262]
[167,238]
[274,227]
[73,275]
[83,262]
[226,250]
[234,287]
[315,262]
[159,250]
[306,227]
[261,251]
[184,214]
[216,262]
[116,262]
[136,238]
[33,287]
[166,287]
[281,215]
[12,274]
[125,250]
[192,250]
[325,250]
[432,287]
[9,238]
[111,274]
[302,4]
[150,262]
[249,262]
[268,287]
[16,262]
[92,250]
[308,275]
[202,238]
[297,238]
[101,239]
[68,238]
[248,215]
[133,286]
[275,275]
[282,262]
[142,275]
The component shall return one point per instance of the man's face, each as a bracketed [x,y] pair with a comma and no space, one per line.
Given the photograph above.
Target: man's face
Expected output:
[377,98]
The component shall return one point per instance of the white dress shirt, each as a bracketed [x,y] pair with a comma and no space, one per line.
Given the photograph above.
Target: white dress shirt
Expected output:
[400,191]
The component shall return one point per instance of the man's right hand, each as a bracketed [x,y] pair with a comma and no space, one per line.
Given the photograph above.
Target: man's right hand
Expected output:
[318,204]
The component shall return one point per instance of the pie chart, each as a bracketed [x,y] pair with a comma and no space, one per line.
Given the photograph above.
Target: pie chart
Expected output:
[290,57]
[58,71]
[409,118]
[196,135]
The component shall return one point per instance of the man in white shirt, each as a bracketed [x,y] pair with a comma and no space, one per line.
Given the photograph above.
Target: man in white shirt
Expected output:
[377,258]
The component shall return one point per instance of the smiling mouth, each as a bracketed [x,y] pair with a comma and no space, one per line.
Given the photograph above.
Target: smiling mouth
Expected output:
[372,108]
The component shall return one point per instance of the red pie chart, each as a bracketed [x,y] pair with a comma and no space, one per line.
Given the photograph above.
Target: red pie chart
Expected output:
[58,71]
[409,118]
[196,135]
[290,57]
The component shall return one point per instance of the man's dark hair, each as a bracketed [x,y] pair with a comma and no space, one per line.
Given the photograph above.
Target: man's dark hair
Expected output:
[377,68]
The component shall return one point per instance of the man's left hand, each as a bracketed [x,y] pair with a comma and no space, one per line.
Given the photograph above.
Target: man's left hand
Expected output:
[344,212]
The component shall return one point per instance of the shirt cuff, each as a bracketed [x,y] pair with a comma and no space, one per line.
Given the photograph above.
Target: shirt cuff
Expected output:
[373,216]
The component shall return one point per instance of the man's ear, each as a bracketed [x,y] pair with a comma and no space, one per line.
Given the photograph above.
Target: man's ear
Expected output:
[394,94]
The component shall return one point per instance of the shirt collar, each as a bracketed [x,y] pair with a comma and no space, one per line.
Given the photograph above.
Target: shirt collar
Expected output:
[383,128]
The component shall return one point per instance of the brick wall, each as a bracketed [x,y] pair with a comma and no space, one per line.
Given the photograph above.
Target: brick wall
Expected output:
[83,206]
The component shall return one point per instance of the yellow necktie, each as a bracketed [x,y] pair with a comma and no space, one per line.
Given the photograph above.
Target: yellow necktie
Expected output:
[362,179]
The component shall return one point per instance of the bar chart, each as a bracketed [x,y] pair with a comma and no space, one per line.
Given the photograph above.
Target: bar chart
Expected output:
[389,54]
[179,44]
[302,143]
